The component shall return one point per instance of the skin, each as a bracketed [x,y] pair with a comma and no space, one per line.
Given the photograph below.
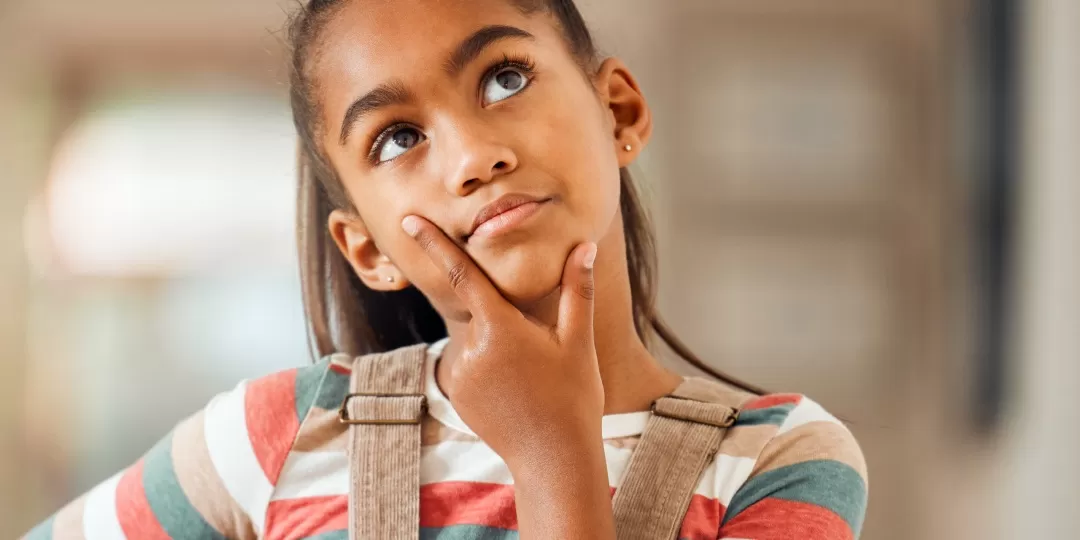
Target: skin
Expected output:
[542,340]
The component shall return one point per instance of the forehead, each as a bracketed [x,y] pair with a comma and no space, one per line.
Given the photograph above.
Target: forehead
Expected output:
[367,42]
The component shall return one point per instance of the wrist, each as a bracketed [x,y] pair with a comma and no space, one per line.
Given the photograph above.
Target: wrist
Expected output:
[564,492]
[560,462]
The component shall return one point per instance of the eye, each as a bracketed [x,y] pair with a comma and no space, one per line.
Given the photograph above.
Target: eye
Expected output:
[504,83]
[395,141]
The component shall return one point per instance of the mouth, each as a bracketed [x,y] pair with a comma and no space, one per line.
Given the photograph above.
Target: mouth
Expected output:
[504,214]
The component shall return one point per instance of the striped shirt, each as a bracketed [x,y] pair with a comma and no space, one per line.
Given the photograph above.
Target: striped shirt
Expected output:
[267,460]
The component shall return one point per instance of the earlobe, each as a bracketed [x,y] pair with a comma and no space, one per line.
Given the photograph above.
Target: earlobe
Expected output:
[354,241]
[629,112]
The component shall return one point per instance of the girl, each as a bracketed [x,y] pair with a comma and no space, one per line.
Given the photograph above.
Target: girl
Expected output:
[464,184]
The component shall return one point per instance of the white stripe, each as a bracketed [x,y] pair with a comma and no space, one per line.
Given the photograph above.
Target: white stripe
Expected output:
[233,457]
[616,426]
[326,474]
[100,521]
[313,474]
[805,412]
[462,461]
[724,477]
[720,480]
[323,474]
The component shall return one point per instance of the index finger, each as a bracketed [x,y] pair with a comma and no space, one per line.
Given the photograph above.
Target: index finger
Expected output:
[470,283]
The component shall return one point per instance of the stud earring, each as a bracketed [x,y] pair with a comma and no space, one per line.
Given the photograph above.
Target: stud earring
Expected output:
[390,279]
[628,148]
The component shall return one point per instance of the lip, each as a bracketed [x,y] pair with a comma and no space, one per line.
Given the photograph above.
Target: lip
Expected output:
[504,213]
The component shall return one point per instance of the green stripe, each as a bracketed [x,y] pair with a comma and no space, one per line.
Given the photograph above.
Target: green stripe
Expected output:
[343,534]
[332,391]
[308,380]
[167,500]
[768,416]
[827,483]
[466,532]
[43,531]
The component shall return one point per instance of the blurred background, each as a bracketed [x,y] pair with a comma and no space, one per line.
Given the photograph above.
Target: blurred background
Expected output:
[872,202]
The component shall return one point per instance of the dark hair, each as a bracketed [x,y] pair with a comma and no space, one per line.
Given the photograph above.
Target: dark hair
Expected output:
[342,313]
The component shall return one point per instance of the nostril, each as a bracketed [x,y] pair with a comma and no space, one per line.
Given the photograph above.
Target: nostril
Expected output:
[500,165]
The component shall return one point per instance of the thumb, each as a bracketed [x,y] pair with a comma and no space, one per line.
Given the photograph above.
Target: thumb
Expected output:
[576,300]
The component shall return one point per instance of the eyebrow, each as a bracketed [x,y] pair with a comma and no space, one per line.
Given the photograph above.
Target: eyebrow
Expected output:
[394,92]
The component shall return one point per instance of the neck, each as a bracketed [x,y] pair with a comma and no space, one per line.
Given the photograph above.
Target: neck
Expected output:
[632,377]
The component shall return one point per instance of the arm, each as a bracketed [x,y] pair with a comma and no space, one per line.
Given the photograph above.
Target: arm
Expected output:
[211,477]
[172,491]
[809,483]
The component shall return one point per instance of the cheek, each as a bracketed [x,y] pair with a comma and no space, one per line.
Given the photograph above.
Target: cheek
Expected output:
[383,214]
[418,268]
[578,150]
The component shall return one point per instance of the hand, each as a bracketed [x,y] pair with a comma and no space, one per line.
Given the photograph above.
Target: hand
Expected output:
[527,389]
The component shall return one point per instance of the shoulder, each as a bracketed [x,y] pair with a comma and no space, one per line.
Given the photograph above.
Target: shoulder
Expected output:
[212,476]
[799,430]
[805,461]
[261,417]
[249,431]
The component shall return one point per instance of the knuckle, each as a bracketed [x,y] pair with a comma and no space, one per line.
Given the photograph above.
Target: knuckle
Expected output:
[585,290]
[425,239]
[457,274]
[485,331]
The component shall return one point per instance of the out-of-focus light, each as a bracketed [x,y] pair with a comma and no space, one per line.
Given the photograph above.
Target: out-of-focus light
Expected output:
[176,185]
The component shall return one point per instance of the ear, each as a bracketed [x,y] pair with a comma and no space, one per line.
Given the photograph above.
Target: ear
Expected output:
[629,113]
[372,266]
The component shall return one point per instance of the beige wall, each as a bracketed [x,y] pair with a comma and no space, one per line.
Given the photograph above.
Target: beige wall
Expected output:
[1040,472]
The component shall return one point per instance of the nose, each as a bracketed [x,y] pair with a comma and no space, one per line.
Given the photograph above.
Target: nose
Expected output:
[476,157]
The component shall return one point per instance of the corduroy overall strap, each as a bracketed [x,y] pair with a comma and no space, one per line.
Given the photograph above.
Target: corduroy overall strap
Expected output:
[680,440]
[384,409]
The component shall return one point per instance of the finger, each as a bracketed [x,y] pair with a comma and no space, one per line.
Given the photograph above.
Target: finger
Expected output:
[468,281]
[576,299]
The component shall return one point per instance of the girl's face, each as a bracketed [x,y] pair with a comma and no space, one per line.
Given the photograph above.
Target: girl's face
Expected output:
[455,110]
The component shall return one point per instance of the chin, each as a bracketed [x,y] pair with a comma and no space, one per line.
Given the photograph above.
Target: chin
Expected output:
[527,275]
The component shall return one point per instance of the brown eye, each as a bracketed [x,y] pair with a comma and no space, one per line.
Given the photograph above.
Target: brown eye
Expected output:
[397,143]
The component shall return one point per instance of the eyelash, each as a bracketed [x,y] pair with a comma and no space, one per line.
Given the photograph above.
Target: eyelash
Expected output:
[522,62]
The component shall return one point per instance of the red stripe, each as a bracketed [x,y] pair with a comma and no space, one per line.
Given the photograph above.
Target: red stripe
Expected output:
[702,519]
[441,505]
[468,503]
[310,516]
[133,510]
[778,519]
[772,400]
[270,411]
[340,369]
[446,504]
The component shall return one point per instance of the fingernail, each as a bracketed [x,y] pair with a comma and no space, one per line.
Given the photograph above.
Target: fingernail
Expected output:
[411,225]
[590,256]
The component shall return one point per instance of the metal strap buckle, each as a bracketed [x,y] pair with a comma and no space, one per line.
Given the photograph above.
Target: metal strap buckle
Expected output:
[343,413]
